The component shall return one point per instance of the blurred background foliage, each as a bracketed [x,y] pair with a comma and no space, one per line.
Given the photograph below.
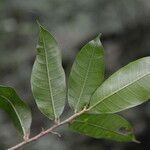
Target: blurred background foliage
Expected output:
[125,28]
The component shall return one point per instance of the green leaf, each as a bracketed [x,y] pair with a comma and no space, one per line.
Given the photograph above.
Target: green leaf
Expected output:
[86,75]
[128,87]
[48,77]
[18,111]
[107,126]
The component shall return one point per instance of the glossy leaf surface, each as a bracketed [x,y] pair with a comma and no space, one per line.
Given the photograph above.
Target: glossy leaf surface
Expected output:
[128,87]
[17,110]
[107,126]
[48,78]
[86,75]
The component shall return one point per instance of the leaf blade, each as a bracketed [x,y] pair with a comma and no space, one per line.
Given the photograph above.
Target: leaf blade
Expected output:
[128,87]
[17,110]
[107,126]
[48,77]
[86,75]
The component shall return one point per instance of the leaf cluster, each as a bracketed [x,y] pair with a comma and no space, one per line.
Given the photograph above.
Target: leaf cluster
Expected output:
[94,101]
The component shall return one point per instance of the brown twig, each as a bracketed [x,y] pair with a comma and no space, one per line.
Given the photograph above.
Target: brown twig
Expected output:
[50,130]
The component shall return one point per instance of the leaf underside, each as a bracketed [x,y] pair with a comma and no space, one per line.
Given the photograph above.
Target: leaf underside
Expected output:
[107,126]
[48,77]
[17,110]
[86,75]
[128,87]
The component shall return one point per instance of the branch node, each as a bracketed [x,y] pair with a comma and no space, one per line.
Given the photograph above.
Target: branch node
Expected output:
[57,121]
[56,133]
[26,137]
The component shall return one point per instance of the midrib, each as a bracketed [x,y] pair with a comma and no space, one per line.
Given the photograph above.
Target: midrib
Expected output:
[84,82]
[48,77]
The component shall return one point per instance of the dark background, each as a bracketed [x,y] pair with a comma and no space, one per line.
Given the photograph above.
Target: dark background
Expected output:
[125,28]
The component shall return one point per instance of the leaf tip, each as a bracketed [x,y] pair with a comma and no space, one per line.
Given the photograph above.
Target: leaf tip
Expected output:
[99,35]
[97,39]
[136,141]
[37,21]
[40,26]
